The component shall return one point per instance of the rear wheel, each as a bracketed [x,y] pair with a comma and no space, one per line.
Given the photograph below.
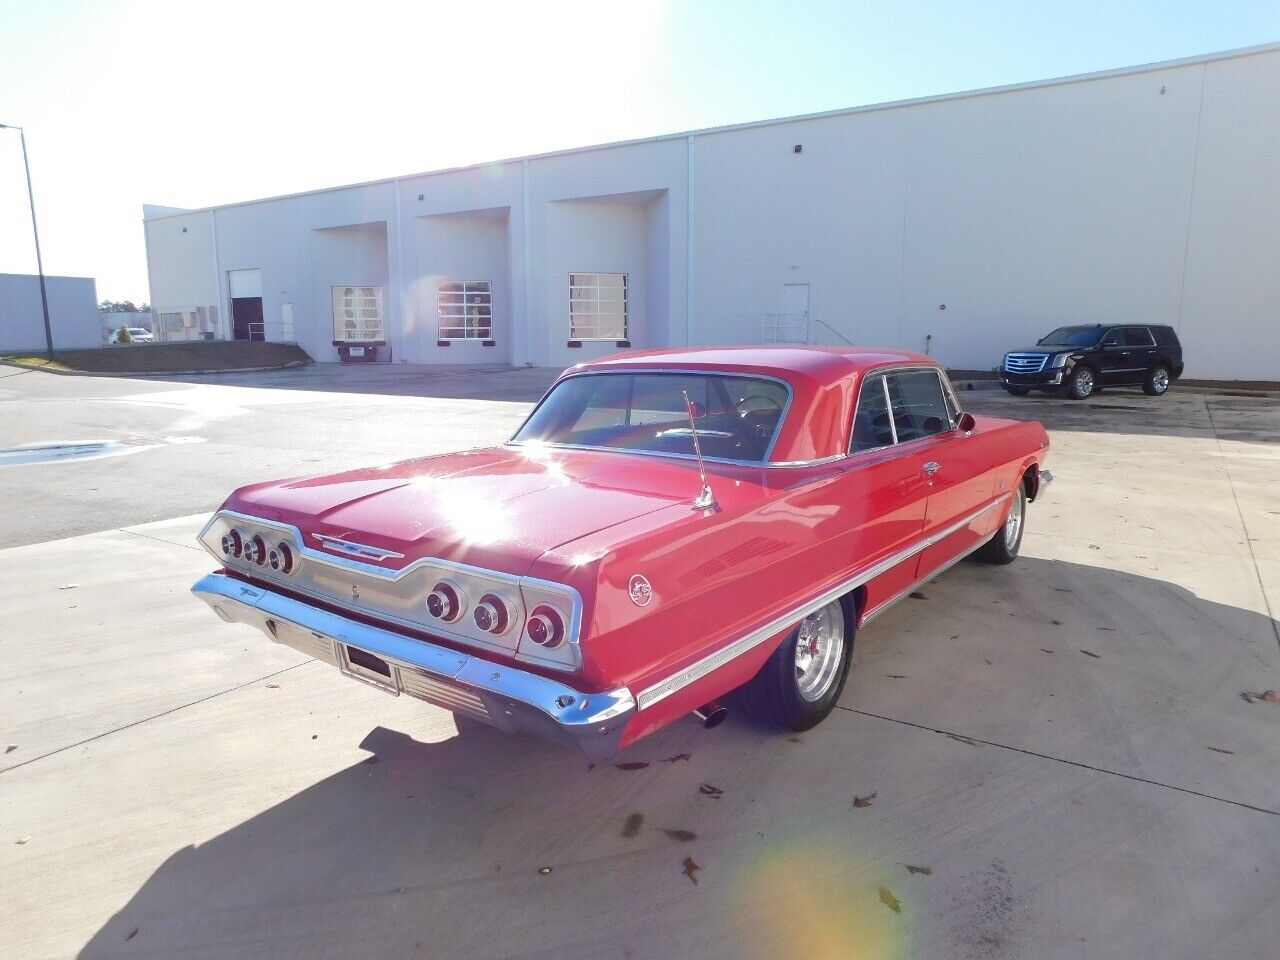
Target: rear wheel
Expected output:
[1082,383]
[1157,381]
[798,686]
[1018,391]
[1004,546]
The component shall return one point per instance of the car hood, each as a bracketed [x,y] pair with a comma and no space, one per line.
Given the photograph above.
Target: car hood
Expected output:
[499,508]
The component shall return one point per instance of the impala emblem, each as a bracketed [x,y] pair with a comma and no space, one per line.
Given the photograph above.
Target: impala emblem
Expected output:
[640,591]
[355,593]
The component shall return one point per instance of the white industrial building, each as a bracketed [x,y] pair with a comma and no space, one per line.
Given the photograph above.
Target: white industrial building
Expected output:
[963,225]
[73,313]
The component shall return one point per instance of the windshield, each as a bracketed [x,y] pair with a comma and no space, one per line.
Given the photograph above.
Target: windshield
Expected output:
[737,417]
[1074,336]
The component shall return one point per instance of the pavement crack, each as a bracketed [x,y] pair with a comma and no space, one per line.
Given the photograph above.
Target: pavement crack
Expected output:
[154,716]
[1257,572]
[147,536]
[1071,763]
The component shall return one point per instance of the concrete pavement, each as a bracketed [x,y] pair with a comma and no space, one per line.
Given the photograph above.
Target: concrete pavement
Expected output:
[1060,743]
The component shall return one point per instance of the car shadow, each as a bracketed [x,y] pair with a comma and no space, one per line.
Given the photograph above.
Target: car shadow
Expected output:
[438,849]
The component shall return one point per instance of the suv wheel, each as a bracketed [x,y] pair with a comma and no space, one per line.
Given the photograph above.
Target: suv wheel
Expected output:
[1157,381]
[1082,382]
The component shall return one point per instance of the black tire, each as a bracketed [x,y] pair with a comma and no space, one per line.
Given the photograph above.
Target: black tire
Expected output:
[1082,383]
[1017,391]
[1157,382]
[773,696]
[1004,546]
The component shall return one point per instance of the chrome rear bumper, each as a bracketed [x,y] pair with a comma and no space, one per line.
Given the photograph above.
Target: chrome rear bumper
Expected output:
[509,699]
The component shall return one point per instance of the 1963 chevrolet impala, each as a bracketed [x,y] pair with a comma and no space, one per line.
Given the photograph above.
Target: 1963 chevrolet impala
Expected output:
[667,528]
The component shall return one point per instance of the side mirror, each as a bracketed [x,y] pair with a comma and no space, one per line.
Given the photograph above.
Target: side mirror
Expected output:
[966,422]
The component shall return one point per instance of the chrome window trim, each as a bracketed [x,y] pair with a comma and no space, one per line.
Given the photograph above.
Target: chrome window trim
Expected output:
[659,691]
[676,372]
[572,630]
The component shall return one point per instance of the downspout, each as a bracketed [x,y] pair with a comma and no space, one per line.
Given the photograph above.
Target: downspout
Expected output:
[223,312]
[688,240]
[400,296]
[528,269]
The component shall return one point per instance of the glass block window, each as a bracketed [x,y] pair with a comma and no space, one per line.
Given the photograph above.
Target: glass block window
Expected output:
[465,309]
[357,314]
[597,306]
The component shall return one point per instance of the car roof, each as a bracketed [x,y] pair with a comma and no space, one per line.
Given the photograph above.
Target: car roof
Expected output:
[791,362]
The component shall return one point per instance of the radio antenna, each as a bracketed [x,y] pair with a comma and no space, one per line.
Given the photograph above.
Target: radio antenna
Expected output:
[706,500]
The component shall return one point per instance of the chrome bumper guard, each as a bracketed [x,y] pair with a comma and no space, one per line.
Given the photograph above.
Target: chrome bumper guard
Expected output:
[507,698]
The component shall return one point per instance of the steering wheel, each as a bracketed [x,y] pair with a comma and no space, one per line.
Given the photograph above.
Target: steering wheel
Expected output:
[756,406]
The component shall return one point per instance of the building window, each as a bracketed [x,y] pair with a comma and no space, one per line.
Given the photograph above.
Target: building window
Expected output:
[597,306]
[465,309]
[357,314]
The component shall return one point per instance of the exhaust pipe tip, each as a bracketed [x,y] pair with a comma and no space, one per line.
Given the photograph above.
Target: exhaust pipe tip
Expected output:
[711,715]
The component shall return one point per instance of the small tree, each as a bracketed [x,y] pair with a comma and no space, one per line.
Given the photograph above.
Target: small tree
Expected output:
[123,335]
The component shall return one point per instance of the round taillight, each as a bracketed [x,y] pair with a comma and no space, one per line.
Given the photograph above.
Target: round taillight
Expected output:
[492,615]
[445,602]
[255,551]
[546,627]
[281,558]
[231,543]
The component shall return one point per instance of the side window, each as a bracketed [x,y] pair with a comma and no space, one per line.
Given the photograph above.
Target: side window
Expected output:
[1138,337]
[919,407]
[871,426]
[1114,338]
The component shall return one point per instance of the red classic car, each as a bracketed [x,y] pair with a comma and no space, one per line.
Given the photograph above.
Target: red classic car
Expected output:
[667,528]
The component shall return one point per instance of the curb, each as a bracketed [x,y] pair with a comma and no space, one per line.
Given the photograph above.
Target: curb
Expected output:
[291,365]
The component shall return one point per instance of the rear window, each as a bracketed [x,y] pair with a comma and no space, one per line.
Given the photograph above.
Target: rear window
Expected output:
[1165,336]
[1138,337]
[737,417]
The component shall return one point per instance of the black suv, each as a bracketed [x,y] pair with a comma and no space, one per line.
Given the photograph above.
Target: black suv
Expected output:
[1076,361]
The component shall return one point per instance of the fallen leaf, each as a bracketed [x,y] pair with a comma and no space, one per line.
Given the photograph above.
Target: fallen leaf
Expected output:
[1271,696]
[707,790]
[543,871]
[1107,629]
[1043,650]
[917,595]
[927,871]
[1063,589]
[10,748]
[986,661]
[683,836]
[889,900]
[1090,653]
[864,801]
[69,586]
[136,931]
[22,840]
[1248,697]
[273,686]
[1056,623]
[1094,546]
[1221,750]
[632,765]
[897,676]
[956,736]
[315,736]
[631,826]
[676,756]
[690,867]
[955,636]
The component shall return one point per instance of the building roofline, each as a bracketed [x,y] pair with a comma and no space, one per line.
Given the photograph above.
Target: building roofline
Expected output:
[774,121]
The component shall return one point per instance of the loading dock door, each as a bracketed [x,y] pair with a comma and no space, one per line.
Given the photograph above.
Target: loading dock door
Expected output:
[246,304]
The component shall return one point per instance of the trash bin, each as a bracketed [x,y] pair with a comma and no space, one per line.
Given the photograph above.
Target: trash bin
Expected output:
[366,352]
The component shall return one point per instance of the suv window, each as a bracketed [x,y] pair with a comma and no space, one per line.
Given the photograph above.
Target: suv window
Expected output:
[1114,338]
[919,407]
[1138,337]
[871,428]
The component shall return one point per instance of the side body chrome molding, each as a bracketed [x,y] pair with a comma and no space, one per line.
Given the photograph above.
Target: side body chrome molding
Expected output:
[678,681]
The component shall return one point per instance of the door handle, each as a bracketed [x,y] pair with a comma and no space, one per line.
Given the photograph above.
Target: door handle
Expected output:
[932,467]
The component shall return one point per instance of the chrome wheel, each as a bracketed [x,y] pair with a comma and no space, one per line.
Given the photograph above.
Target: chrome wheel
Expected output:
[1160,380]
[1013,524]
[820,651]
[1082,383]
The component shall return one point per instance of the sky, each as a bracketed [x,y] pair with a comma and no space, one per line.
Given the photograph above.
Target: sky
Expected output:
[187,104]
